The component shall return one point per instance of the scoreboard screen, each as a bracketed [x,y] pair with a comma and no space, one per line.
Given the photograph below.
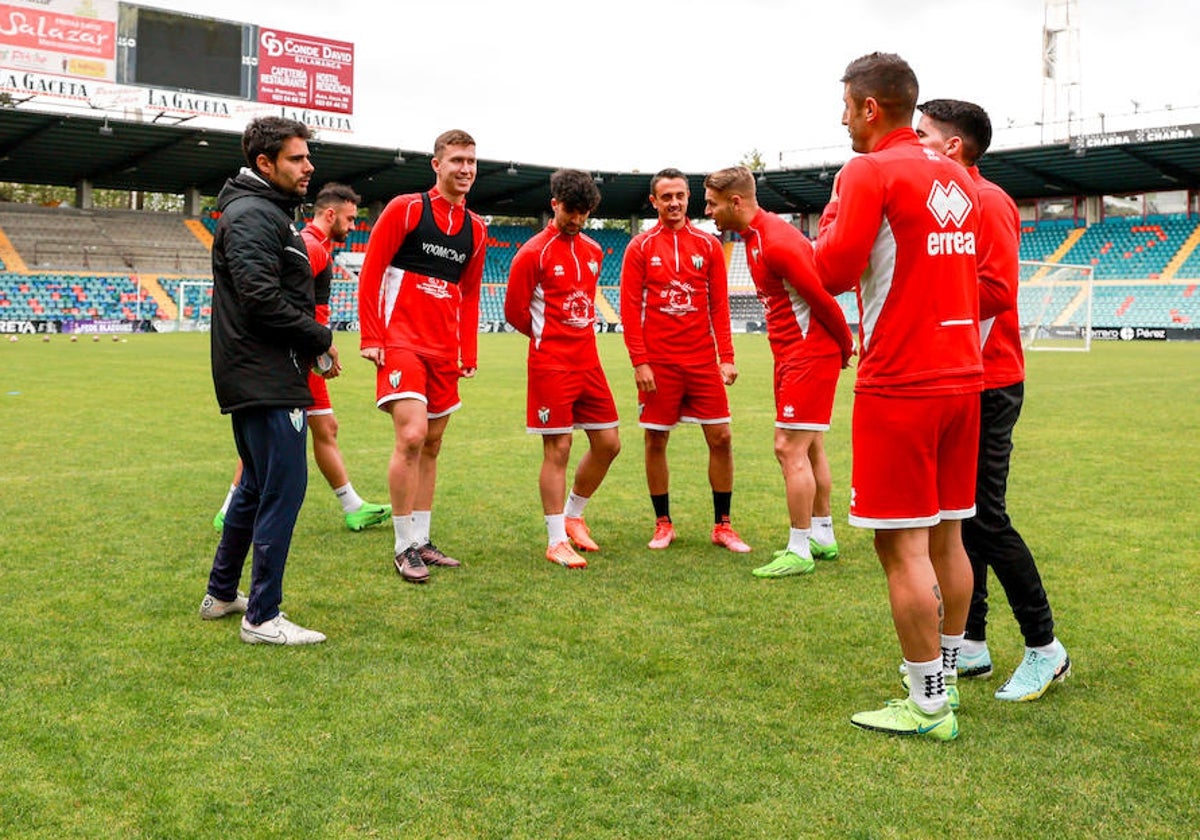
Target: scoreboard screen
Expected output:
[158,48]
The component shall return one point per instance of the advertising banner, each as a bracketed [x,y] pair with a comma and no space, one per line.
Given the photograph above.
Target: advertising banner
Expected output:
[65,37]
[305,72]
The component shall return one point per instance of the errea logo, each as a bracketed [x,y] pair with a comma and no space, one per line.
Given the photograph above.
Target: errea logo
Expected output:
[949,204]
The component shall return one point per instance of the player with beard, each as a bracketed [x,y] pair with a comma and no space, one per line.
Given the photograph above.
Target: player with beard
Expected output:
[675,317]
[810,342]
[335,211]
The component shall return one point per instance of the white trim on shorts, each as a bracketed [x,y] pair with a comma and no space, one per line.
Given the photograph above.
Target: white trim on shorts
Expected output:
[918,522]
[447,412]
[317,412]
[566,430]
[803,427]
[402,395]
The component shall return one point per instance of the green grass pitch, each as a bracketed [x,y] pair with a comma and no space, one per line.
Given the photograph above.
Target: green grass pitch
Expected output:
[654,695]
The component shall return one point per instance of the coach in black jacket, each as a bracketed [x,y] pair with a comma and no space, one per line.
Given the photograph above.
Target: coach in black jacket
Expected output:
[265,339]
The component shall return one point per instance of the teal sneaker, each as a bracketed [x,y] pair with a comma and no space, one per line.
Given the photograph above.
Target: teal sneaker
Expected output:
[904,717]
[970,666]
[951,689]
[785,563]
[368,515]
[1035,674]
[219,521]
[823,552]
[973,666]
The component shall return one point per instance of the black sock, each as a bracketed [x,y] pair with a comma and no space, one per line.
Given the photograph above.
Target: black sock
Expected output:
[662,505]
[722,502]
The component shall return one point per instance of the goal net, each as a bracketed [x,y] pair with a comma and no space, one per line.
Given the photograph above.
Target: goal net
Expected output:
[1055,306]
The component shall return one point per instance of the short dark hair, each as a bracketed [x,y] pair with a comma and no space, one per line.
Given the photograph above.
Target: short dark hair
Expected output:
[664,175]
[885,77]
[266,136]
[333,194]
[575,190]
[453,137]
[967,120]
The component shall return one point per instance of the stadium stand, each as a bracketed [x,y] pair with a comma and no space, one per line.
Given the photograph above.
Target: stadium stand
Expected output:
[67,239]
[61,263]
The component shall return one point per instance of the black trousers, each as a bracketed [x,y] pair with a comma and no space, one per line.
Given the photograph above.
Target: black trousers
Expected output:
[990,538]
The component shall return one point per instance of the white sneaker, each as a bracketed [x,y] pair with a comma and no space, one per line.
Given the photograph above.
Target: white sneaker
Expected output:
[279,631]
[211,608]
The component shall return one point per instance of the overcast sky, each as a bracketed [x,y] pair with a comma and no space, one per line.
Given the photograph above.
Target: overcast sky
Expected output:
[643,84]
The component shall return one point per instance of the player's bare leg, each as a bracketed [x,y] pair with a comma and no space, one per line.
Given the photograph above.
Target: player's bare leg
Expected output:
[658,482]
[411,423]
[552,487]
[821,540]
[792,451]
[719,439]
[603,447]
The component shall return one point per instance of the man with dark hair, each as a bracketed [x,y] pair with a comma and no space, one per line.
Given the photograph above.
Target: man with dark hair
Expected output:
[962,132]
[335,211]
[418,306]
[900,229]
[675,316]
[552,299]
[810,342]
[265,339]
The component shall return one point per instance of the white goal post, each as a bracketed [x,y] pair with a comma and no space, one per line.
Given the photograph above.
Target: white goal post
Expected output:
[197,321]
[1054,301]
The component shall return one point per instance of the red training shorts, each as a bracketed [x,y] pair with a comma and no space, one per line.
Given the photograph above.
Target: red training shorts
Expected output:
[558,402]
[319,387]
[914,460]
[406,375]
[804,390]
[687,394]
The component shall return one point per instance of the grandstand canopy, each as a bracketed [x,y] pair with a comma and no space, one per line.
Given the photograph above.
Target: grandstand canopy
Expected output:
[43,148]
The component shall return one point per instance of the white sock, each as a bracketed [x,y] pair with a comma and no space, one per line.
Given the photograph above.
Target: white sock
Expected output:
[951,645]
[798,542]
[1049,651]
[822,530]
[926,687]
[973,646]
[575,506]
[420,530]
[556,529]
[228,499]
[350,500]
[402,527]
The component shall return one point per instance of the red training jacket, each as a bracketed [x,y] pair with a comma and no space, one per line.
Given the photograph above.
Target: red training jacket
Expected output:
[409,310]
[802,318]
[901,228]
[552,298]
[675,298]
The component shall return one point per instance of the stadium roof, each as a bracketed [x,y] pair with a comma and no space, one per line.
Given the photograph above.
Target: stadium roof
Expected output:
[55,149]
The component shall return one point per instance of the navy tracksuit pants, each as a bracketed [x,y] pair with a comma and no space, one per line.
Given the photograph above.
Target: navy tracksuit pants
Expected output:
[272,443]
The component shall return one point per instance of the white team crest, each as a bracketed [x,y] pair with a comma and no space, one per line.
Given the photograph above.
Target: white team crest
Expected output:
[789,411]
[948,203]
[656,261]
[296,415]
[697,262]
[543,415]
[394,379]
[594,266]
